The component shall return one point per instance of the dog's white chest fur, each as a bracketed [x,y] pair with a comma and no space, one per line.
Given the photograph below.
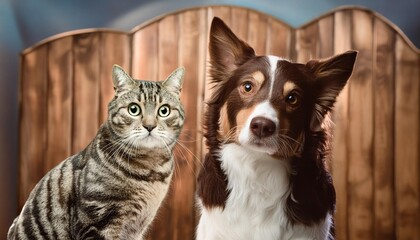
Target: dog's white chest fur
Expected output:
[255,207]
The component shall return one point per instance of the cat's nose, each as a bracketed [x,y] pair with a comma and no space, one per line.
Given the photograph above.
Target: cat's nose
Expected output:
[149,127]
[262,127]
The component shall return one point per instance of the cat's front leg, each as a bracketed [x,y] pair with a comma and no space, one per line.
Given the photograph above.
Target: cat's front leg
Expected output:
[91,233]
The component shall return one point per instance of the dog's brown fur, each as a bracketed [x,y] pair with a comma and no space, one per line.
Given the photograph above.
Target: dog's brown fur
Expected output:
[317,83]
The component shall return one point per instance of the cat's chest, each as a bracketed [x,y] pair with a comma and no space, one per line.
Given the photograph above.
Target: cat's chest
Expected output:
[139,212]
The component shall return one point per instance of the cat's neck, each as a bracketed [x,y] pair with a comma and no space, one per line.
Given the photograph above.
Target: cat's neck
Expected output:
[110,144]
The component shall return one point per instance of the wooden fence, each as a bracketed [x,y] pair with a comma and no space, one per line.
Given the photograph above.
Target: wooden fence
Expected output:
[65,85]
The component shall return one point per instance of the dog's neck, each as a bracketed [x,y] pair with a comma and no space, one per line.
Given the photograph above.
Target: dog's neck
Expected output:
[254,174]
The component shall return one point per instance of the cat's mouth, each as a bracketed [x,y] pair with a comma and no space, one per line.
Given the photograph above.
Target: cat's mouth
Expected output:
[150,137]
[148,140]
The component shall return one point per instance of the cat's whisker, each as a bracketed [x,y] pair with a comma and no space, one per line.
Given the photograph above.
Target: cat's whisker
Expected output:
[189,151]
[179,148]
[183,147]
[177,167]
[190,135]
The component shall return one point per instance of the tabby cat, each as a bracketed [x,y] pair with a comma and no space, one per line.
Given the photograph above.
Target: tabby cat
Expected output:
[113,188]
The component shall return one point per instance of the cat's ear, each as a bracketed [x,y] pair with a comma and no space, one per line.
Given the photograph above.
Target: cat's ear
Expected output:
[174,82]
[121,79]
[331,76]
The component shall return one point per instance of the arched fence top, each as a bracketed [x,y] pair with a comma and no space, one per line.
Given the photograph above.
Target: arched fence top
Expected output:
[158,18]
[374,14]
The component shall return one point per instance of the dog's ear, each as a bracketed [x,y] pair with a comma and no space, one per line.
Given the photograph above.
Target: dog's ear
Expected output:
[331,76]
[227,51]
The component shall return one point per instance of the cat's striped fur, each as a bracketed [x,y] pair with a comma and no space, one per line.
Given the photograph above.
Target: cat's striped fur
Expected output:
[113,188]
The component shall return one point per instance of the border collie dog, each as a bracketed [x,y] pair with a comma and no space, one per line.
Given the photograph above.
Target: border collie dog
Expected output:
[264,176]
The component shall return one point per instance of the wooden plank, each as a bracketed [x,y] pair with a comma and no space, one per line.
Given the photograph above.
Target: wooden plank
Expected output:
[360,180]
[188,150]
[202,83]
[167,223]
[407,156]
[60,97]
[33,119]
[223,12]
[279,39]
[342,42]
[257,32]
[145,53]
[383,172]
[326,36]
[240,22]
[86,89]
[114,49]
[307,43]
[168,46]
[202,74]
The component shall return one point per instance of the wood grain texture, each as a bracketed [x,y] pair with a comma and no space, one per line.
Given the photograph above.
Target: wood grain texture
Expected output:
[86,89]
[202,84]
[240,21]
[257,32]
[280,37]
[306,44]
[114,49]
[342,42]
[325,44]
[407,99]
[144,62]
[168,44]
[60,101]
[188,149]
[33,118]
[383,152]
[360,180]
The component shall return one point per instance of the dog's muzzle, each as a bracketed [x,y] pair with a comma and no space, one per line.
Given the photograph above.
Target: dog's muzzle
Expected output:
[262,127]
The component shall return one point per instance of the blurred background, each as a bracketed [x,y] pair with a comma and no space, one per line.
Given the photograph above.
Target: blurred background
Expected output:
[24,23]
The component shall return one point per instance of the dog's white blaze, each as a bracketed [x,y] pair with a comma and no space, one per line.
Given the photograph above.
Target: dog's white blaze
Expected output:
[273,66]
[264,109]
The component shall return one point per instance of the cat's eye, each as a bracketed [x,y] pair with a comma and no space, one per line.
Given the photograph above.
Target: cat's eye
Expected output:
[134,109]
[164,111]
[293,99]
[247,87]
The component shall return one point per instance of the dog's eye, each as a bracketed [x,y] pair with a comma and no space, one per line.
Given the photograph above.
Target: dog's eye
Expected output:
[247,87]
[293,99]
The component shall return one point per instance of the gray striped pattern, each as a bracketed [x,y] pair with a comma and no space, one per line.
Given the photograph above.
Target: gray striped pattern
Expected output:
[113,188]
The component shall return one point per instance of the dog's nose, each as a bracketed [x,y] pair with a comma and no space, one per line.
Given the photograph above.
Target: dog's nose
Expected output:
[262,127]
